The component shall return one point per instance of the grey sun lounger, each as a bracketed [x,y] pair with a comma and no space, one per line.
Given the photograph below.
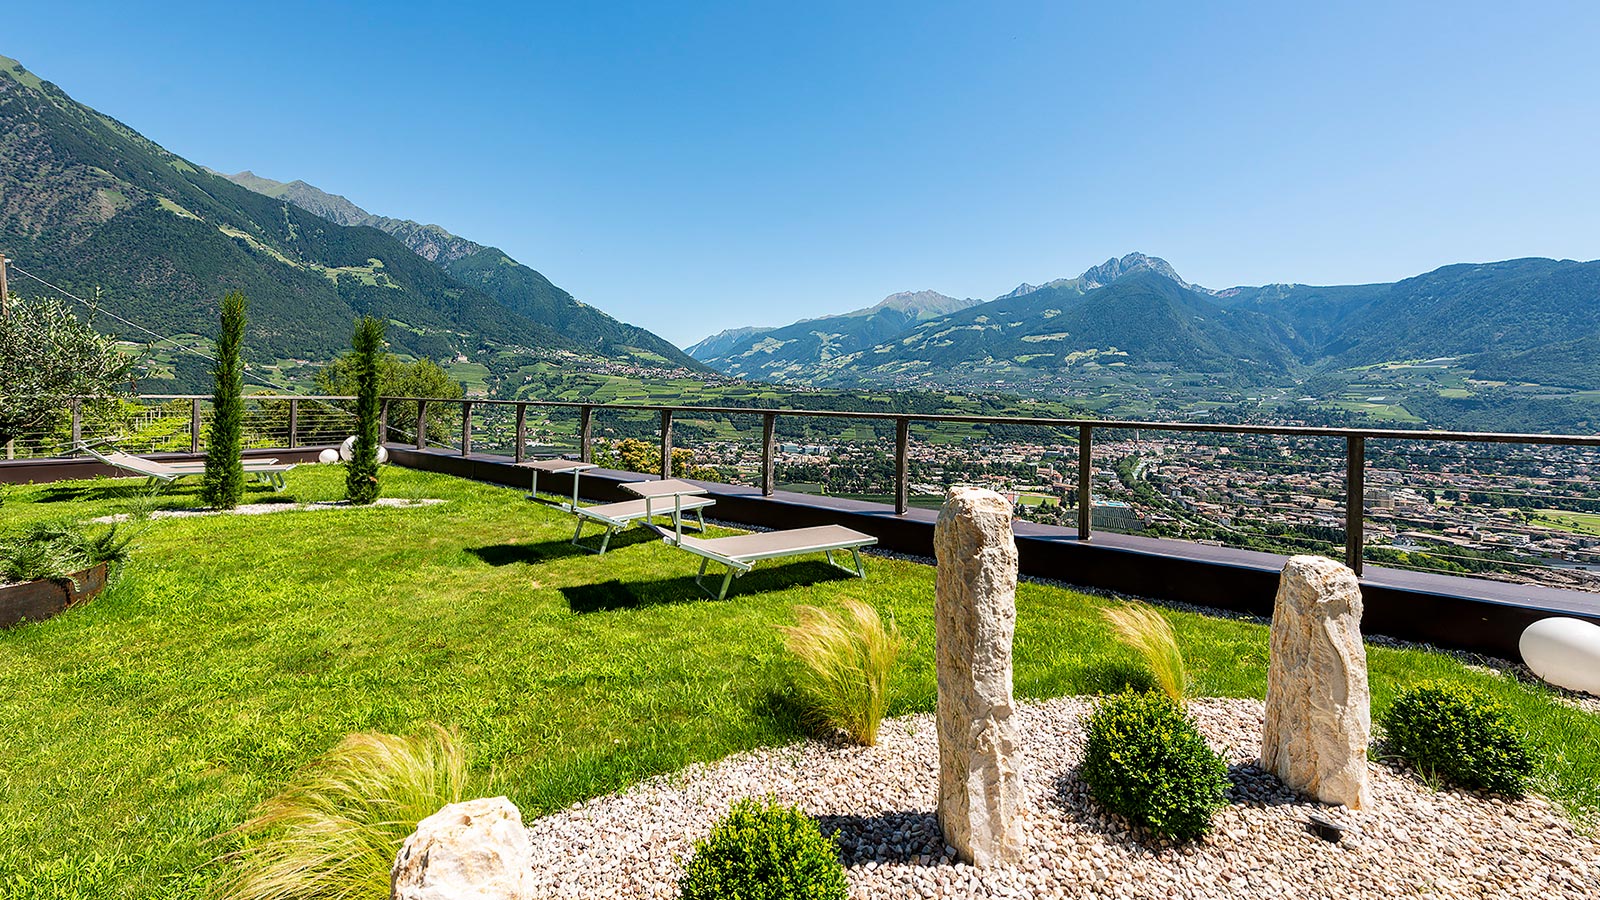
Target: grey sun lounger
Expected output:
[741,552]
[267,470]
[624,514]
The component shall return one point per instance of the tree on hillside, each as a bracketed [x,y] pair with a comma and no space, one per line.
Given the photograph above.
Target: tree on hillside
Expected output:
[224,478]
[423,378]
[361,474]
[48,357]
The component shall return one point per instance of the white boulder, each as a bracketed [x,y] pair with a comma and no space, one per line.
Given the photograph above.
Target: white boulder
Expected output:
[1563,651]
[327,456]
[1319,712]
[476,850]
[981,796]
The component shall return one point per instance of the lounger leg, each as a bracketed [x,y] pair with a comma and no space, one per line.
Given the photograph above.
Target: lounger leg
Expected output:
[726,580]
[577,533]
[606,541]
[861,570]
[828,555]
[701,515]
[700,576]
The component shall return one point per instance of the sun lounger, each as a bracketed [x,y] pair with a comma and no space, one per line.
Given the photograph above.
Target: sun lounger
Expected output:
[741,552]
[267,470]
[619,516]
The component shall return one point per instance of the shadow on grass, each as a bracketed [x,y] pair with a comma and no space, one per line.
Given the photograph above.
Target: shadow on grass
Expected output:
[616,594]
[513,554]
[911,837]
[1112,676]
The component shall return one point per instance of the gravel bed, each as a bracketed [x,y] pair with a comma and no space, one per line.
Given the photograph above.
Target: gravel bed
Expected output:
[260,509]
[880,801]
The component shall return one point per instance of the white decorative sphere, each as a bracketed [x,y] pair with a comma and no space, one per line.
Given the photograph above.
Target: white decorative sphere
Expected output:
[1564,651]
[329,455]
[347,451]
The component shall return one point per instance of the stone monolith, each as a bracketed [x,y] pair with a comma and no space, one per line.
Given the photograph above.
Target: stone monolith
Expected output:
[477,850]
[1319,714]
[975,612]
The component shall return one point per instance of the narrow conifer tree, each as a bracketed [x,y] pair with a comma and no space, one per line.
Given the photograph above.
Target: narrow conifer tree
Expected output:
[224,478]
[361,475]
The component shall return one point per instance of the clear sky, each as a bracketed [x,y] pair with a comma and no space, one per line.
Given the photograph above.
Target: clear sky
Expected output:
[690,167]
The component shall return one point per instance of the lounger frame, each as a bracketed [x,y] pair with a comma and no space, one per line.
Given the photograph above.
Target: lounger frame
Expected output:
[617,523]
[739,563]
[160,474]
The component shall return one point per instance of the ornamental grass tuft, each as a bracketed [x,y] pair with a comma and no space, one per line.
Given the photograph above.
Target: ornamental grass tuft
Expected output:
[846,658]
[334,833]
[1139,626]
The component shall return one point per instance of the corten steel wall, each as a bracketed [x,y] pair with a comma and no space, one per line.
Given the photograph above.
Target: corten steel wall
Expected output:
[1470,614]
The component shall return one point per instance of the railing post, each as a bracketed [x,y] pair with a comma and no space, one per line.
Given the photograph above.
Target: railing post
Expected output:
[194,425]
[1085,482]
[769,447]
[466,427]
[585,433]
[77,424]
[522,432]
[666,443]
[422,424]
[383,421]
[1355,501]
[902,446]
[294,424]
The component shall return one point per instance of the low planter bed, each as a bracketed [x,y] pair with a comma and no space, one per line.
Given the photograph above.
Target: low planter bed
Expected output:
[35,601]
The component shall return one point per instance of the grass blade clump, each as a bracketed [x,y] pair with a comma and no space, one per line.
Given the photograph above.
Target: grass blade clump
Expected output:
[334,833]
[846,657]
[1147,631]
[56,550]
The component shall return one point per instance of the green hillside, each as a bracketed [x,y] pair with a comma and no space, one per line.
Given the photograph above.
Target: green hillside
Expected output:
[89,202]
[794,351]
[515,286]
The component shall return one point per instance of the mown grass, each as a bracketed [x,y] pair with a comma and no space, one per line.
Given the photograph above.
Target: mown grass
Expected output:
[233,650]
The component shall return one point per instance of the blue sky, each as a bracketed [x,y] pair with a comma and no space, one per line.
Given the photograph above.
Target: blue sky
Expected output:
[695,167]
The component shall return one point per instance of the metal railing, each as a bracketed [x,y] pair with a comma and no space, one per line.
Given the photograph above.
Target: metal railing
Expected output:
[1507,490]
[1355,442]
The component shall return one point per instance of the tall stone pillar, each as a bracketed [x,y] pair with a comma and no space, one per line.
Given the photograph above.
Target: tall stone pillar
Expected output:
[1319,713]
[981,797]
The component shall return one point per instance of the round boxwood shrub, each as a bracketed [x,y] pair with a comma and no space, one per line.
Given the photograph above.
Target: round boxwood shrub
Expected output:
[1147,761]
[1458,734]
[764,851]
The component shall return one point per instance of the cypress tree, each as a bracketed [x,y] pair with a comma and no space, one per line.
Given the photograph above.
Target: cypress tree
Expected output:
[224,478]
[361,474]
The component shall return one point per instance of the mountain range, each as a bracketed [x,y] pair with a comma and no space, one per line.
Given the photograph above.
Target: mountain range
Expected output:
[86,202]
[1534,321]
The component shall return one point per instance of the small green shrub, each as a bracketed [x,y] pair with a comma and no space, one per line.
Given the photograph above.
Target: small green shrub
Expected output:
[846,658]
[1450,731]
[55,550]
[1147,761]
[764,851]
[1139,626]
[335,832]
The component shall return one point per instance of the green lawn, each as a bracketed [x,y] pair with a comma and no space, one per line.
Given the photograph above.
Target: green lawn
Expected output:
[234,649]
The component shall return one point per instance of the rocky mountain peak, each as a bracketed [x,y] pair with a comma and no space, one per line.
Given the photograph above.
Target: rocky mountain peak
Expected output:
[1113,269]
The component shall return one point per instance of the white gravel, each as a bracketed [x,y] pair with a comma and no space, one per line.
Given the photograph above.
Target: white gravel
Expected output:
[259,509]
[880,801]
